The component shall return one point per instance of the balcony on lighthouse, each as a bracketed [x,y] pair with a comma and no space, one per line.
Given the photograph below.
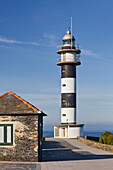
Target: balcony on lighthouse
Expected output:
[70,53]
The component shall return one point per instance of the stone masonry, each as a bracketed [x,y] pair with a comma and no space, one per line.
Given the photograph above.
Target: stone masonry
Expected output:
[25,139]
[27,123]
[96,145]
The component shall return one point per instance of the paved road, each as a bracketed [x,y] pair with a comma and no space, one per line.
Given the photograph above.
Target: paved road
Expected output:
[71,154]
[66,154]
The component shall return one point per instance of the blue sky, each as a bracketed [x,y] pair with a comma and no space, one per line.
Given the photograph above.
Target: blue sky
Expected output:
[29,34]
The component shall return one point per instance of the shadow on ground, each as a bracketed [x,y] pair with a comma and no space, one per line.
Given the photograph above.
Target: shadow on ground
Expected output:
[60,144]
[62,151]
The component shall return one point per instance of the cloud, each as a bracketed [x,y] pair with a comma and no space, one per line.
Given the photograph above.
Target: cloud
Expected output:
[50,39]
[46,40]
[2,39]
[91,54]
[10,41]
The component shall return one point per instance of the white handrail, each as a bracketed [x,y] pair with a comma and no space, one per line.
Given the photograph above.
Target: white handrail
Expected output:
[65,59]
[59,47]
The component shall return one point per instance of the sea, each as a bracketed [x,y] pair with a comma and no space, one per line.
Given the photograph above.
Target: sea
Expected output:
[94,130]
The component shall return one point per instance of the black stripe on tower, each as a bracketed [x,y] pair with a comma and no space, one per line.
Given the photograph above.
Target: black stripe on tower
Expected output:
[68,100]
[68,71]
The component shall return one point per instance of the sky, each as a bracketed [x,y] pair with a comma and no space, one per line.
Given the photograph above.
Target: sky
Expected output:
[29,34]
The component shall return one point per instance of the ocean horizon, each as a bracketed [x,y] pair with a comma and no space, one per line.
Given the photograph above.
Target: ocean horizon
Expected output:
[94,130]
[86,133]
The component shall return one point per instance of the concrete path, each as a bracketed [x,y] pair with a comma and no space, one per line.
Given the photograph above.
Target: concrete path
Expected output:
[20,166]
[71,154]
[66,154]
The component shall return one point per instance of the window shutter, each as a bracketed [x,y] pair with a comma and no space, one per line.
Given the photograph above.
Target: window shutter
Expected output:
[1,134]
[8,134]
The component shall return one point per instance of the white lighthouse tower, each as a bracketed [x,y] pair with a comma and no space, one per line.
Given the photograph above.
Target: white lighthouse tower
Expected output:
[68,60]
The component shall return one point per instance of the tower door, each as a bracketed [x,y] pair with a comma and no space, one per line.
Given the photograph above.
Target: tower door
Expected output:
[63,132]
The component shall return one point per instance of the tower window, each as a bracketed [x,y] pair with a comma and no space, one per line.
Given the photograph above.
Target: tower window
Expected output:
[63,100]
[63,114]
[66,41]
[63,85]
[63,70]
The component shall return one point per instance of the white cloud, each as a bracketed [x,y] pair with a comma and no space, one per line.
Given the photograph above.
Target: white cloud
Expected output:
[91,54]
[46,40]
[32,43]
[49,36]
[2,39]
[50,39]
[10,41]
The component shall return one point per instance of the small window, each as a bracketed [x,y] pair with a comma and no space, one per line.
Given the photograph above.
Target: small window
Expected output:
[6,134]
[68,41]
[63,85]
[63,114]
[63,70]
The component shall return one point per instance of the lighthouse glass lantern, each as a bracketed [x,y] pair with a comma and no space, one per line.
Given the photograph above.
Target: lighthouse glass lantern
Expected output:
[68,60]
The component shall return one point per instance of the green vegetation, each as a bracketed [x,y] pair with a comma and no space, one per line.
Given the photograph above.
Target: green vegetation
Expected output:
[106,138]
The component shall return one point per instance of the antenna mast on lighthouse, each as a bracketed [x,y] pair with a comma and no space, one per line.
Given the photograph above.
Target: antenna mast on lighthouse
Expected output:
[71,31]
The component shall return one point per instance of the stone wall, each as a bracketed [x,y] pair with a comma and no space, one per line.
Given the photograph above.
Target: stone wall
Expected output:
[104,147]
[25,143]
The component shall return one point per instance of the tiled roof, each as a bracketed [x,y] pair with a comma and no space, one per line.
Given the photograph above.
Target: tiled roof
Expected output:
[11,103]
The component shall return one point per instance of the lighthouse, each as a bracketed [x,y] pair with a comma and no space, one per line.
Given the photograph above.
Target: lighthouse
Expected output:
[69,59]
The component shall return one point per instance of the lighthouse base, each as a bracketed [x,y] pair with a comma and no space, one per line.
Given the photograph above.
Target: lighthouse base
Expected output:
[68,130]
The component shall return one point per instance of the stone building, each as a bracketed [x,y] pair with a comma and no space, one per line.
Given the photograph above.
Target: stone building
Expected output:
[21,129]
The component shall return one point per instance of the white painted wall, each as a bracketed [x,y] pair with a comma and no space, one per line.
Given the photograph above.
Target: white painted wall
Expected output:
[69,56]
[70,85]
[74,132]
[70,115]
[70,132]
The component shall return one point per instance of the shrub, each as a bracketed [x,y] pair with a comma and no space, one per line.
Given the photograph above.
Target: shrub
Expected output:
[110,140]
[101,139]
[106,133]
[106,138]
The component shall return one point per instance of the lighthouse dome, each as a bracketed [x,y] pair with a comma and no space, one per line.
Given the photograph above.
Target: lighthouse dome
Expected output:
[68,36]
[68,39]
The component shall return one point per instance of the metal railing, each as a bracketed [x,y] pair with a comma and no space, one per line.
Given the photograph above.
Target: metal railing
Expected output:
[75,59]
[60,47]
